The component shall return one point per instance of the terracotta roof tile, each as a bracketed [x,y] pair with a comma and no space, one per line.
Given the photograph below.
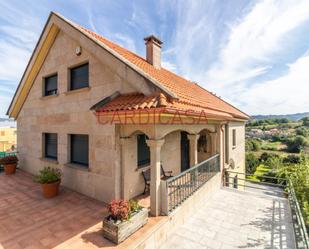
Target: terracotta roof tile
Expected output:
[190,95]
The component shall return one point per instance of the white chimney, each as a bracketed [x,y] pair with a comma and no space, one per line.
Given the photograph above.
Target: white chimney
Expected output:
[153,51]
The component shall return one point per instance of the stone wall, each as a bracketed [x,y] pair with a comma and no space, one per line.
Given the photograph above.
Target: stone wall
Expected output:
[237,153]
[69,113]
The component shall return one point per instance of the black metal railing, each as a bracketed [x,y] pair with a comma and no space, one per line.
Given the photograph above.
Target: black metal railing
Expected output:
[181,187]
[279,186]
[300,230]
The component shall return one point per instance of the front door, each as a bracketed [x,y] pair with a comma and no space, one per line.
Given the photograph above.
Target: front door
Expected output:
[185,156]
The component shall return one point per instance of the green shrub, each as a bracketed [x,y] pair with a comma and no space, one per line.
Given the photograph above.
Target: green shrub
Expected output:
[48,175]
[300,180]
[266,156]
[305,121]
[134,206]
[252,145]
[251,163]
[294,145]
[291,159]
[302,131]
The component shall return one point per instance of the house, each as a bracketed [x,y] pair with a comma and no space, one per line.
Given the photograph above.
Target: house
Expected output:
[7,138]
[104,115]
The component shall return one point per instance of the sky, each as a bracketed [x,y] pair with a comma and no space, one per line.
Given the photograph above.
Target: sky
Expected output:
[254,54]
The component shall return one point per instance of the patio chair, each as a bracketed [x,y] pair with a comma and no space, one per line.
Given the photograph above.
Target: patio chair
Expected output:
[146,175]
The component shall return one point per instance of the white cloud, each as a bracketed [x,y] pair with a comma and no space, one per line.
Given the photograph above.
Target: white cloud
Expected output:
[13,61]
[4,104]
[169,65]
[125,41]
[254,39]
[286,94]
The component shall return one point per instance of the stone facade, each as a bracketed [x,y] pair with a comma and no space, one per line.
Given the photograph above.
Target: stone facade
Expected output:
[69,113]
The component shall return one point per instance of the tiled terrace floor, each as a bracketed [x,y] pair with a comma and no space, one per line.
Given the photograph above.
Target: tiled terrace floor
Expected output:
[70,220]
[235,219]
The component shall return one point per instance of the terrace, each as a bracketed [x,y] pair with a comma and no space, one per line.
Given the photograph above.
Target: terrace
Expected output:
[199,215]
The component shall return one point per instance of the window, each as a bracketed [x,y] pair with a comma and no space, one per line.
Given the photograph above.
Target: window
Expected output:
[50,85]
[79,77]
[202,144]
[50,141]
[2,133]
[80,149]
[143,152]
[234,137]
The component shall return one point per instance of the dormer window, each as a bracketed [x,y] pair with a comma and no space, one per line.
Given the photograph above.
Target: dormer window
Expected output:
[51,85]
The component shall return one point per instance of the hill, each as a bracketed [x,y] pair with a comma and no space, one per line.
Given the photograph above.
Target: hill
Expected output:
[295,116]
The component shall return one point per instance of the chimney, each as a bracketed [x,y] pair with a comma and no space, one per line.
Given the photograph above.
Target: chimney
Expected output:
[153,51]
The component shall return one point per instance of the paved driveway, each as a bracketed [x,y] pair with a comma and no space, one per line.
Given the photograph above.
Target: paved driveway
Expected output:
[234,219]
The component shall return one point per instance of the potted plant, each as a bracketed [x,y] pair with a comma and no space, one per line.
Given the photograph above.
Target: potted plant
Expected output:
[125,218]
[50,179]
[9,163]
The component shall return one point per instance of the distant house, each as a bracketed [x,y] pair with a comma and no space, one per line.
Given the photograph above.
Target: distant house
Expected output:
[8,137]
[104,115]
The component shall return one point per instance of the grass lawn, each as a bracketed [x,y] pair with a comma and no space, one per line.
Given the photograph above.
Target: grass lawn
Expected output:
[260,171]
[275,146]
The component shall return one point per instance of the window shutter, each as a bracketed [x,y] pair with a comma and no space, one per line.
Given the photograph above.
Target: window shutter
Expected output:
[51,141]
[80,77]
[51,85]
[80,149]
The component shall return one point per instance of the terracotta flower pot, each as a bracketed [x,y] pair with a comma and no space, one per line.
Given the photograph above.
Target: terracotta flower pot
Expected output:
[10,169]
[50,189]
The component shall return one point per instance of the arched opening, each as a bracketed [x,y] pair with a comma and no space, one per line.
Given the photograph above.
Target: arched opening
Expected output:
[204,146]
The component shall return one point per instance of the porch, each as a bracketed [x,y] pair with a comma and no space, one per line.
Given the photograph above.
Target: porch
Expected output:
[193,153]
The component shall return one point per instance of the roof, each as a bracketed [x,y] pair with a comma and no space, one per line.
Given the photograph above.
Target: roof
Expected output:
[180,93]
[190,95]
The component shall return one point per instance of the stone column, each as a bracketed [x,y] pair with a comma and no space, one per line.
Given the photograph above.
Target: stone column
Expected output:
[155,175]
[193,148]
[124,142]
[220,145]
[213,142]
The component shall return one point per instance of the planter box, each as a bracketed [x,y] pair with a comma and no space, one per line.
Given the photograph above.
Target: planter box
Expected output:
[118,232]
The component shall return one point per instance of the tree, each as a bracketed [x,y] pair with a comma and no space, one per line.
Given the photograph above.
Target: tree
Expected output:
[256,145]
[251,163]
[252,145]
[302,131]
[296,144]
[305,121]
